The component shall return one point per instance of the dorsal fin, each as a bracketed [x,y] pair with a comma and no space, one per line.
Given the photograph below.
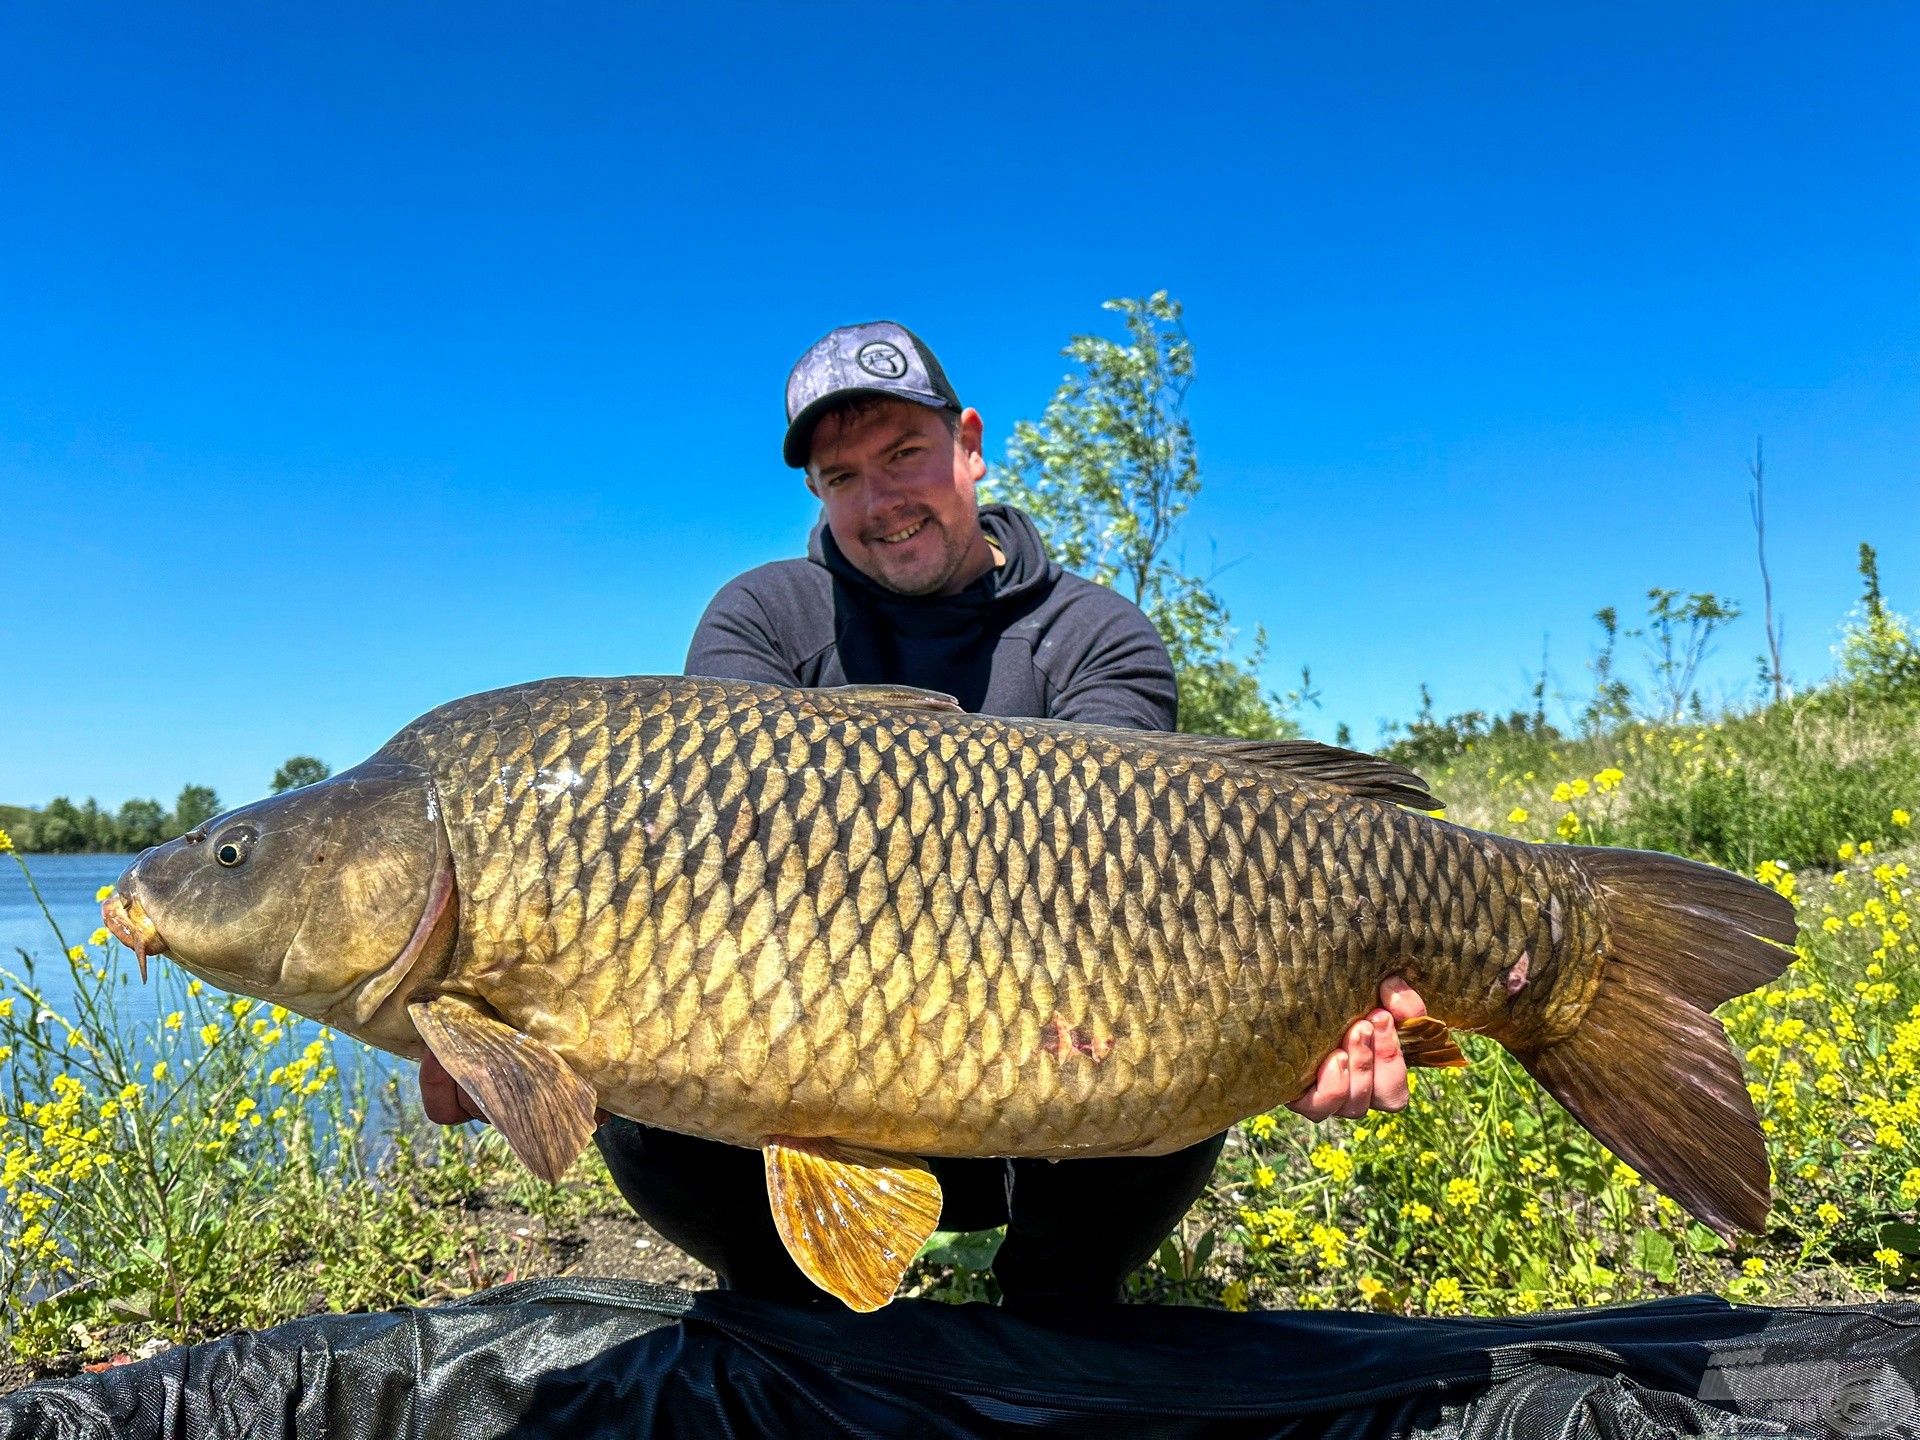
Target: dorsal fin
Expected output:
[894,697]
[1328,766]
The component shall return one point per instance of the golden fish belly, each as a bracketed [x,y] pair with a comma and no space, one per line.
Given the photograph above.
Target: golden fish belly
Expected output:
[740,911]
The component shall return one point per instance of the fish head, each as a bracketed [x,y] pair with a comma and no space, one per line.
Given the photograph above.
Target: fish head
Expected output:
[324,899]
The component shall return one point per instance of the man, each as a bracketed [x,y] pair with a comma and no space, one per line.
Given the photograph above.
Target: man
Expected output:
[909,581]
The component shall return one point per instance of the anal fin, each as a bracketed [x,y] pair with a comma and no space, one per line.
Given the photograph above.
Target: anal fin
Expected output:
[1426,1041]
[529,1093]
[851,1218]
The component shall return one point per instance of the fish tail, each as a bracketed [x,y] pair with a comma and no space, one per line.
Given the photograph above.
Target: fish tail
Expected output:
[1649,1070]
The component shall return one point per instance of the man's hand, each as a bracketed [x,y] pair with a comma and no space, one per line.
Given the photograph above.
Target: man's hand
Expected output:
[446,1103]
[1368,1072]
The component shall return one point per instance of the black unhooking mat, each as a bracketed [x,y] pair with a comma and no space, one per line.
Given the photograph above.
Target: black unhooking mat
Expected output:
[581,1359]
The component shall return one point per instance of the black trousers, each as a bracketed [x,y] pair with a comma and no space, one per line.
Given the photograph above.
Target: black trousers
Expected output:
[1075,1228]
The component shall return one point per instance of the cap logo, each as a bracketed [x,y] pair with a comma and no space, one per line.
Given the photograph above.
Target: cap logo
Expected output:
[881,359]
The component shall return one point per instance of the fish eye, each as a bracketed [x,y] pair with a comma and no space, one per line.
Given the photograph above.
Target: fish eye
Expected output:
[233,846]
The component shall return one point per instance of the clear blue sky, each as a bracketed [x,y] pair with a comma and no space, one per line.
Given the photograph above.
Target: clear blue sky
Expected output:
[355,358]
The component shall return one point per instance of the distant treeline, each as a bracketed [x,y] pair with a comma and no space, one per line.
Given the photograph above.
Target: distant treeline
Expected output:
[62,827]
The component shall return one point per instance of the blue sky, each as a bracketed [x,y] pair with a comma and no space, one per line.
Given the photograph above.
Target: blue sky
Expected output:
[352,359]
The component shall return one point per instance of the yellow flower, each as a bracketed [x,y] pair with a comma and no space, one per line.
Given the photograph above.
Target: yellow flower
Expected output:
[1518,815]
[1234,1296]
[174,1021]
[1262,1127]
[6,1008]
[1579,788]
[1462,1194]
[1336,1163]
[100,895]
[1445,1294]
[1562,793]
[1754,1268]
[1889,1258]
[99,937]
[209,1034]
[1829,1214]
[77,953]
[1263,1177]
[1608,780]
[1625,1176]
[1568,827]
[1902,819]
[1845,852]
[160,1073]
[6,842]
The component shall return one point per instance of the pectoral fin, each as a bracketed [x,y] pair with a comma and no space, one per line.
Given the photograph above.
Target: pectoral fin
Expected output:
[1425,1041]
[531,1095]
[852,1219]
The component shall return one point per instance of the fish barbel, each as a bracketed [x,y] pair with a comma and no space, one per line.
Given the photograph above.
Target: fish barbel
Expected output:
[859,927]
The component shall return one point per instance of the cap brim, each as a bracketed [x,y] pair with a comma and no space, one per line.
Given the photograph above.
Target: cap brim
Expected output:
[800,431]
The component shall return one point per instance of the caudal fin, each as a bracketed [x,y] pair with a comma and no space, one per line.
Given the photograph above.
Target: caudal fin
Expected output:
[1650,1071]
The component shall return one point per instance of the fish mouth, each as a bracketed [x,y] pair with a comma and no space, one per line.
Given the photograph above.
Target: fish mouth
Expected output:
[127,921]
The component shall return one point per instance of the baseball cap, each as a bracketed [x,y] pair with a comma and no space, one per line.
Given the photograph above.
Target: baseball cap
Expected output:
[877,358]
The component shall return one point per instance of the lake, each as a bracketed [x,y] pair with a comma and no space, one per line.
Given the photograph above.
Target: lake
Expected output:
[68,884]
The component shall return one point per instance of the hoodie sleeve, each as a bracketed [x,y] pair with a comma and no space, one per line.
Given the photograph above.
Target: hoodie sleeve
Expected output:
[1118,673]
[736,641]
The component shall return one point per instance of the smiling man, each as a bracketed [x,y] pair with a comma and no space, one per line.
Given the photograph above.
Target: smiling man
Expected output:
[909,581]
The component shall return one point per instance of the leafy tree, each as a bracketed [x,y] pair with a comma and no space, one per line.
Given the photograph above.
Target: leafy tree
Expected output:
[300,770]
[1107,472]
[1878,655]
[1678,635]
[197,805]
[141,823]
[60,828]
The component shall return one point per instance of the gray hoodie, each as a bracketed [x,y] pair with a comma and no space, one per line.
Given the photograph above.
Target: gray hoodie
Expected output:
[1026,639]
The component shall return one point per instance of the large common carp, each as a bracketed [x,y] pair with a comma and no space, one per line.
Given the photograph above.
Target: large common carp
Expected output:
[857,927]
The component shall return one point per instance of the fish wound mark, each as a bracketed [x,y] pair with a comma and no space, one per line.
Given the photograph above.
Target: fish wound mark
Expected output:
[1060,1038]
[1517,974]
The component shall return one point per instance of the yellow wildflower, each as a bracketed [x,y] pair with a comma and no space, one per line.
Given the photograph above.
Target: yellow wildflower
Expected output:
[1262,1127]
[100,895]
[1754,1267]
[1234,1296]
[1263,1177]
[1445,1294]
[1829,1214]
[6,842]
[1335,1163]
[1518,815]
[99,937]
[1902,819]
[1608,780]
[1568,827]
[1845,852]
[77,953]
[1462,1193]
[1889,1258]
[1562,793]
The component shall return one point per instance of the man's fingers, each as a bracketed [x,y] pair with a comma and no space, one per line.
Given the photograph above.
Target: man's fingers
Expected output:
[1401,1001]
[444,1101]
[1389,1065]
[1329,1090]
[1359,1097]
